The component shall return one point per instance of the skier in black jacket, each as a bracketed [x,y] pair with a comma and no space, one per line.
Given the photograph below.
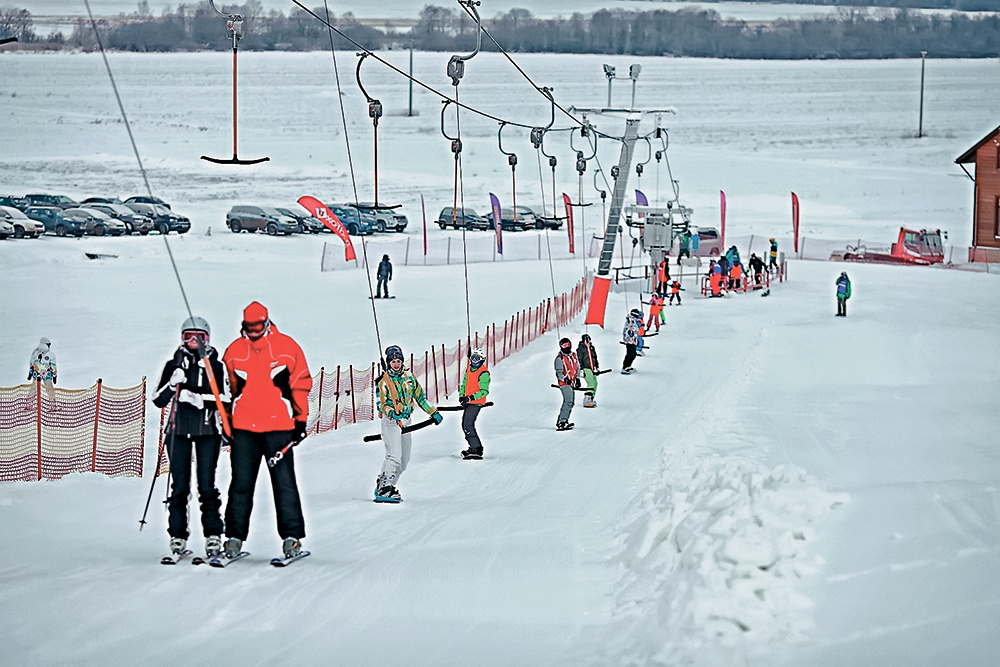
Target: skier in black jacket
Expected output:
[194,424]
[384,276]
[589,366]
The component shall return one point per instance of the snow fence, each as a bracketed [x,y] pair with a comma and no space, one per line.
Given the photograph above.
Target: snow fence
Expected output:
[346,394]
[48,432]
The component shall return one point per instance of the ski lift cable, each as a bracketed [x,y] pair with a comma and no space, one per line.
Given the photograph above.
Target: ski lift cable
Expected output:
[135,149]
[415,80]
[343,114]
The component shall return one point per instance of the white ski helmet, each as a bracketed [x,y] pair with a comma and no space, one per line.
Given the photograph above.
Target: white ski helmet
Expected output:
[196,324]
[477,356]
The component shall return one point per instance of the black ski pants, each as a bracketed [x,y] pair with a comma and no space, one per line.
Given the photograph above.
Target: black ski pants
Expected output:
[675,294]
[841,307]
[382,287]
[250,450]
[469,427]
[206,450]
[630,355]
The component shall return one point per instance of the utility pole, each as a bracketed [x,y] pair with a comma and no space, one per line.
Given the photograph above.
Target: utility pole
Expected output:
[923,60]
[411,79]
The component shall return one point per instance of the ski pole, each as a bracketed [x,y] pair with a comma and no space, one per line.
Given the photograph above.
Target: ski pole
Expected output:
[170,425]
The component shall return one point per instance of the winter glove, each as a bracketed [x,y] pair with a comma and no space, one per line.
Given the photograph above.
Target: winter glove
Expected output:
[437,417]
[29,376]
[464,400]
[191,398]
[299,434]
[576,383]
[177,377]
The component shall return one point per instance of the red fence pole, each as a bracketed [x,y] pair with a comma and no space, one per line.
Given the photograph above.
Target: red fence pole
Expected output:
[437,396]
[97,420]
[444,371]
[38,422]
[336,401]
[354,406]
[322,386]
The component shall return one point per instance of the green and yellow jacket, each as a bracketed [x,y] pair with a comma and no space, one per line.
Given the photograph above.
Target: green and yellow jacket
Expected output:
[397,393]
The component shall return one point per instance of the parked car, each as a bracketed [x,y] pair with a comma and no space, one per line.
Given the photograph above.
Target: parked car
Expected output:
[470,220]
[54,221]
[134,222]
[20,203]
[542,222]
[59,201]
[146,200]
[357,221]
[96,223]
[386,219]
[164,220]
[307,223]
[22,224]
[525,219]
[102,200]
[257,218]
[709,243]
[6,229]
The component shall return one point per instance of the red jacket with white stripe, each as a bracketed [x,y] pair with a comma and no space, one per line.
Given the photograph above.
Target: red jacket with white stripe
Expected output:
[270,382]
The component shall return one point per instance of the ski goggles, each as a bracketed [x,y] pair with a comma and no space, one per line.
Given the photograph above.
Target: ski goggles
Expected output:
[393,352]
[188,336]
[255,327]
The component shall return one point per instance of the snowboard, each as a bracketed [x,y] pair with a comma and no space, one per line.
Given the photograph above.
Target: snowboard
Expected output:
[472,457]
[173,559]
[381,297]
[567,427]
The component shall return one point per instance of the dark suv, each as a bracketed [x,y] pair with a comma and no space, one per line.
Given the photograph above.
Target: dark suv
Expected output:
[134,222]
[54,221]
[20,203]
[357,221]
[470,220]
[260,218]
[59,201]
[164,220]
[307,223]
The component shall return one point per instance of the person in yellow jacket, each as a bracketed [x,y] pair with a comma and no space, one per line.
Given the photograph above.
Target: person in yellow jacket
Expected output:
[472,395]
[398,390]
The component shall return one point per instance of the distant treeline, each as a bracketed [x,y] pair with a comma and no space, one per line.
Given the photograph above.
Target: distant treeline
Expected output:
[849,33]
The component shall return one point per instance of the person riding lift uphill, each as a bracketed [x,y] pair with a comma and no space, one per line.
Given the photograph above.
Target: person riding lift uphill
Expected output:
[397,391]
[472,395]
[270,381]
[567,368]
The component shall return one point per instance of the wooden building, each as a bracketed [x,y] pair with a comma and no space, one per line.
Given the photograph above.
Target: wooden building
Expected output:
[986,201]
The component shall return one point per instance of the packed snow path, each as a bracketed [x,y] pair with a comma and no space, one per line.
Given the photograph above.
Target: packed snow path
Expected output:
[587,547]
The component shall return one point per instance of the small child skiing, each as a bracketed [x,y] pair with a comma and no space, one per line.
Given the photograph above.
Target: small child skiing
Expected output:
[472,395]
[586,354]
[42,364]
[675,292]
[567,368]
[194,426]
[398,390]
[655,310]
[631,338]
[843,293]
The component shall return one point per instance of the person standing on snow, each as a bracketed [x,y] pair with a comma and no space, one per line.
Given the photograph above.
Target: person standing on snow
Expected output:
[843,293]
[472,395]
[194,425]
[42,364]
[384,276]
[630,336]
[655,310]
[675,291]
[662,276]
[757,267]
[397,390]
[586,354]
[774,254]
[567,368]
[270,383]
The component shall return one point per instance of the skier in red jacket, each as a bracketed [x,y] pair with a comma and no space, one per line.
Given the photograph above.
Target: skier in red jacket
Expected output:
[270,384]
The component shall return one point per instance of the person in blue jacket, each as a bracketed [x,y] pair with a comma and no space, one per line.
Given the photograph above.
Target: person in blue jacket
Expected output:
[843,293]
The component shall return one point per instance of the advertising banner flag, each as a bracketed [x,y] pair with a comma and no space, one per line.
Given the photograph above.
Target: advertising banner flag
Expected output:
[795,220]
[722,234]
[495,204]
[569,223]
[320,211]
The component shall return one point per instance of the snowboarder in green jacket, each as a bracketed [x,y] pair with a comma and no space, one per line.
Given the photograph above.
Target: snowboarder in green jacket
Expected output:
[843,293]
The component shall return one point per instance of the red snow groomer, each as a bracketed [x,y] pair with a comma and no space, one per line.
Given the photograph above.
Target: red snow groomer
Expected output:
[923,248]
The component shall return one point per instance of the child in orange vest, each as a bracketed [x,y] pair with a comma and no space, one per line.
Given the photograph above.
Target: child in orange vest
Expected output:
[655,310]
[675,291]
[472,395]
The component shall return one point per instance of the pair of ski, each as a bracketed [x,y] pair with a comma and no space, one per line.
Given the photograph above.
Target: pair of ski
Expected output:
[223,561]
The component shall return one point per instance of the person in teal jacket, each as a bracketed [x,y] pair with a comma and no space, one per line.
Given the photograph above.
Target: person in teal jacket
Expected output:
[843,293]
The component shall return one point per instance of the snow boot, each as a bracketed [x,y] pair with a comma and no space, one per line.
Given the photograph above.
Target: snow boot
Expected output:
[292,547]
[388,494]
[588,401]
[472,455]
[564,426]
[178,545]
[213,545]
[628,371]
[234,546]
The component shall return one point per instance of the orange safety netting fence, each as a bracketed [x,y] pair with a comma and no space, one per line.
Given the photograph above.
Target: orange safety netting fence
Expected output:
[346,394]
[48,432]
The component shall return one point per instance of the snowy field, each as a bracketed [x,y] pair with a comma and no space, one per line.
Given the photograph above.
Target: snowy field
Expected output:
[774,486]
